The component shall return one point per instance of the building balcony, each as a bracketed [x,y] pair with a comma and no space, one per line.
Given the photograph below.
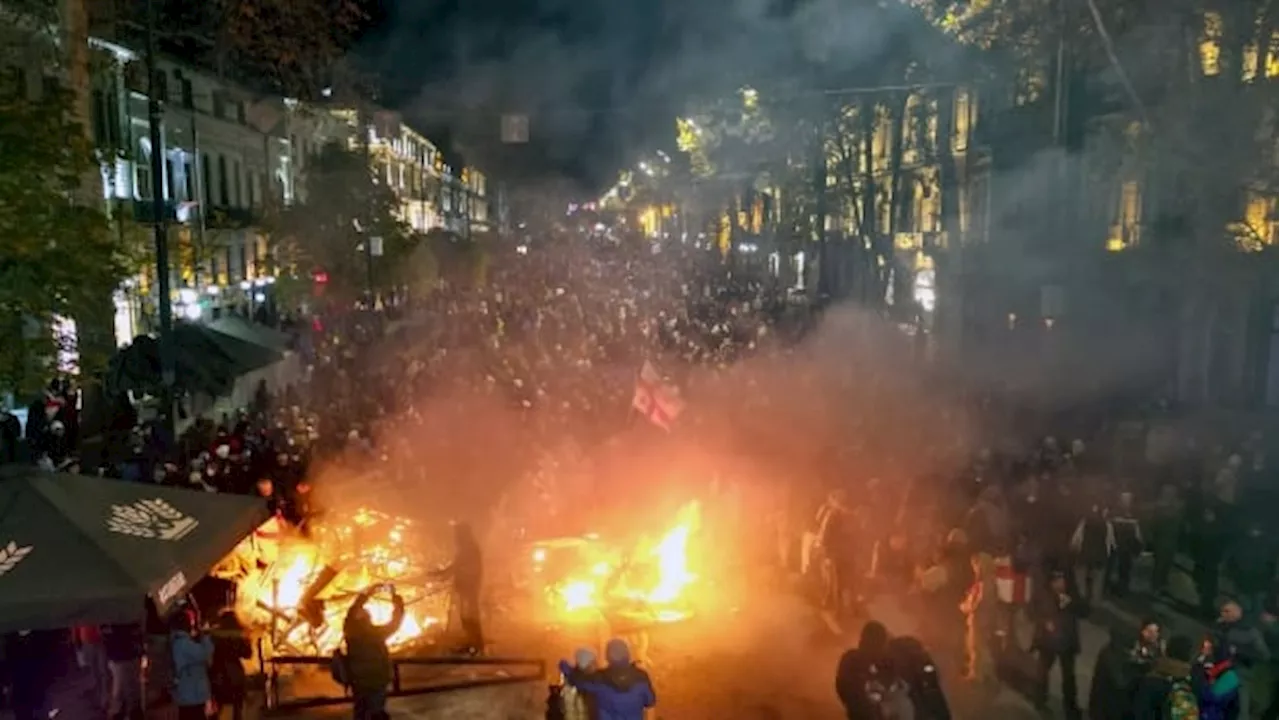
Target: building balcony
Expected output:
[230,218]
[144,211]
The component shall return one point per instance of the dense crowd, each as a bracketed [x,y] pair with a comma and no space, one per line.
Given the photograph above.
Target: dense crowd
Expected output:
[546,338]
[1037,534]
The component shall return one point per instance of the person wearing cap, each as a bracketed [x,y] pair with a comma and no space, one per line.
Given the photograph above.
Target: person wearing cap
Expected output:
[1057,615]
[575,704]
[621,690]
[1241,641]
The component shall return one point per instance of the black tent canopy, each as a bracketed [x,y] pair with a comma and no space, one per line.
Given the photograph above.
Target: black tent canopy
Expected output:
[206,360]
[251,332]
[76,549]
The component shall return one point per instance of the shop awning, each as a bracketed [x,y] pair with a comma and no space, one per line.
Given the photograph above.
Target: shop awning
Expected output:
[78,549]
[252,332]
[205,361]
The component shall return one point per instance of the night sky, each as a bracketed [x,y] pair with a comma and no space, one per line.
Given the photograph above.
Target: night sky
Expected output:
[600,79]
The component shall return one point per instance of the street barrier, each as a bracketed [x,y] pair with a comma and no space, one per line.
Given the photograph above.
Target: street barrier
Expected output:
[518,670]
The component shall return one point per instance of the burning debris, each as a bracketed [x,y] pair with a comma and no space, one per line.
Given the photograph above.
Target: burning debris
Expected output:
[296,590]
[585,578]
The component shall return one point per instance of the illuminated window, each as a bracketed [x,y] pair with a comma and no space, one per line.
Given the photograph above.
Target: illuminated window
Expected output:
[927,210]
[960,125]
[911,140]
[1273,58]
[1211,44]
[1249,61]
[880,145]
[931,127]
[1259,227]
[1125,231]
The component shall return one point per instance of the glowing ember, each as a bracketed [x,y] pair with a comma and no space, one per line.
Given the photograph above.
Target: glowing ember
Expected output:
[653,579]
[298,590]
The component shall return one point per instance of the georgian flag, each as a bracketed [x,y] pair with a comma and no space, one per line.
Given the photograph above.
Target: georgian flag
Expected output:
[656,399]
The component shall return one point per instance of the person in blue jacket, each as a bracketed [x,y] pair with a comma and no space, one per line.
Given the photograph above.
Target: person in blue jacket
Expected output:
[192,653]
[622,691]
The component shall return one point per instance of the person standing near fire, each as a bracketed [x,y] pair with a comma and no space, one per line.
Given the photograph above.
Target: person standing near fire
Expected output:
[367,661]
[467,574]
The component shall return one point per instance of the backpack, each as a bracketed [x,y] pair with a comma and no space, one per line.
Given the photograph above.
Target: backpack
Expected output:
[1181,703]
[338,669]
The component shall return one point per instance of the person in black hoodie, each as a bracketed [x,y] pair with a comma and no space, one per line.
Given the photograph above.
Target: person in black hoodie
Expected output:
[124,646]
[32,665]
[1207,550]
[913,664]
[1252,564]
[226,671]
[467,573]
[865,680]
[1111,692]
[1057,615]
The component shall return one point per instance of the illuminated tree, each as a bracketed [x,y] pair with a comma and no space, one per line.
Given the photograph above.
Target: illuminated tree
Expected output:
[58,258]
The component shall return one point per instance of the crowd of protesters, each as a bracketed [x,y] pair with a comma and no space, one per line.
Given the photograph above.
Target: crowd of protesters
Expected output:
[1036,536]
[1045,537]
[534,337]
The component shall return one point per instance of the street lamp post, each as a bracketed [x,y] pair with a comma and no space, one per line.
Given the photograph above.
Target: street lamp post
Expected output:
[159,225]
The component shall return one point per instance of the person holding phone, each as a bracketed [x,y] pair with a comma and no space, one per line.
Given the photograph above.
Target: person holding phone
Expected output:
[368,661]
[192,651]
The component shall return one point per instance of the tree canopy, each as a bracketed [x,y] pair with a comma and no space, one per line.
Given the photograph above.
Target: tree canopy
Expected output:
[58,259]
[344,204]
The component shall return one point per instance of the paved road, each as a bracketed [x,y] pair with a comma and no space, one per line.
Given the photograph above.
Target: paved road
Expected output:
[509,702]
[773,659]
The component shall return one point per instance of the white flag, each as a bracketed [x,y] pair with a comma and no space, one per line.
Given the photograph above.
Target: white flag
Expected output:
[656,399]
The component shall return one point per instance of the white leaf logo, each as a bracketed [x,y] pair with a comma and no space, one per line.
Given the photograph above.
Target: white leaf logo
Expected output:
[11,555]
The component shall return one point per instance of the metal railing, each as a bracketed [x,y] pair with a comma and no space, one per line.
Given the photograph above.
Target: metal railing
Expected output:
[523,670]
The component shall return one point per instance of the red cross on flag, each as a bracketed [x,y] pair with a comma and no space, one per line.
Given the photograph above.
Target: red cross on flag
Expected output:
[656,399]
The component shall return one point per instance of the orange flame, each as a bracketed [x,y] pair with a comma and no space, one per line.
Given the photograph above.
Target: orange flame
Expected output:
[274,576]
[655,575]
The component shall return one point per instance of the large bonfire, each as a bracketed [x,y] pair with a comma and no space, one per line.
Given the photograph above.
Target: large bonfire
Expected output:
[652,580]
[296,590]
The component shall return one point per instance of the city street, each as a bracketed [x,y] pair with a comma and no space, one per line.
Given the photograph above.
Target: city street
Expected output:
[773,659]
[776,659]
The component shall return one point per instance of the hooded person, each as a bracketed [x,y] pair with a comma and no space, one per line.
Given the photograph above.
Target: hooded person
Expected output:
[866,682]
[1111,690]
[226,669]
[914,666]
[575,704]
[621,690]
